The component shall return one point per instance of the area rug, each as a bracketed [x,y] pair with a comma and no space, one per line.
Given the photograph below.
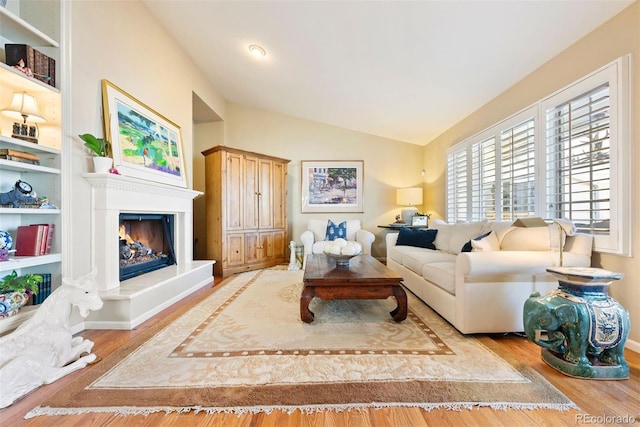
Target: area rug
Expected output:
[244,349]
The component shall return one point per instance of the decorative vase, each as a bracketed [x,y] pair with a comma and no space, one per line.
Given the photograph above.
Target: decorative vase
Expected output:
[584,328]
[102,164]
[11,302]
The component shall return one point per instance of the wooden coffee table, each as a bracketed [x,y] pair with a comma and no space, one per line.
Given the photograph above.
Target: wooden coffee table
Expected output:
[365,278]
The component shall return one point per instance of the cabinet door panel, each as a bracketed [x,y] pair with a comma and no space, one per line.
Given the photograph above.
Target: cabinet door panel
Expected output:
[235,250]
[265,212]
[279,190]
[251,192]
[280,245]
[266,246]
[234,192]
[252,245]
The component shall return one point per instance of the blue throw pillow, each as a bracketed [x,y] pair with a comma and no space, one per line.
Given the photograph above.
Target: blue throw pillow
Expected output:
[418,238]
[336,231]
[467,246]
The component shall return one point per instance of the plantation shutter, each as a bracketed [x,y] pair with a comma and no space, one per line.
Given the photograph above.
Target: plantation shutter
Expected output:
[517,170]
[483,180]
[457,199]
[578,176]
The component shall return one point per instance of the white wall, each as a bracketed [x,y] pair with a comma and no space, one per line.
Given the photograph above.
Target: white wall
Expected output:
[121,41]
[388,164]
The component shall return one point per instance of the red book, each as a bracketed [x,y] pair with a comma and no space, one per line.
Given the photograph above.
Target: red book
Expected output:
[43,240]
[47,241]
[29,240]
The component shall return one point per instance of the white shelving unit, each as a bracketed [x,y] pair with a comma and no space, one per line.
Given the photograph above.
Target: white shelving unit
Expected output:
[46,178]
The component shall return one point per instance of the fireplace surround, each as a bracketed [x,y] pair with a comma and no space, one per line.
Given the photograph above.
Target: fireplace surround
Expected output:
[129,302]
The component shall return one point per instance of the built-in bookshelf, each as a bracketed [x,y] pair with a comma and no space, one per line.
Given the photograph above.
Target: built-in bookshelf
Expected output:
[18,23]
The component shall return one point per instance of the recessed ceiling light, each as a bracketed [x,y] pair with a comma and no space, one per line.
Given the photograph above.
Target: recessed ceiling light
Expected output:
[257,51]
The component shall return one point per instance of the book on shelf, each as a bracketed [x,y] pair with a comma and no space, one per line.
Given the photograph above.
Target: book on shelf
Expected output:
[45,246]
[16,52]
[41,65]
[19,159]
[29,240]
[19,154]
[44,289]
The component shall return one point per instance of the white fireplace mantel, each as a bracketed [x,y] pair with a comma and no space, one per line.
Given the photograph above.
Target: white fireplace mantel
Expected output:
[114,194]
[134,300]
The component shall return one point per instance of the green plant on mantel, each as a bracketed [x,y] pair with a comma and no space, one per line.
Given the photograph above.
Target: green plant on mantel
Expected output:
[99,146]
[14,283]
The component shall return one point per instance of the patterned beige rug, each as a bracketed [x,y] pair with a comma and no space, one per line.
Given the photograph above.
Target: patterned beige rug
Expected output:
[245,349]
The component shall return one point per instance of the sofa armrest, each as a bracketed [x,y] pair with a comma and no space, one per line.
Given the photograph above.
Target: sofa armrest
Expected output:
[391,239]
[366,238]
[579,243]
[307,239]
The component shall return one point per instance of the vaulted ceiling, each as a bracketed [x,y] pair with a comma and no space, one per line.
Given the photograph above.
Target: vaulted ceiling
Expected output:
[405,70]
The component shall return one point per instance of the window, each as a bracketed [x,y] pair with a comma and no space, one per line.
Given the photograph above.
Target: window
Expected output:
[499,166]
[560,158]
[456,186]
[483,180]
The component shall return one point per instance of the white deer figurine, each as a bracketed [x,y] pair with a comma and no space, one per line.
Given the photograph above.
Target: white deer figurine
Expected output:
[43,350]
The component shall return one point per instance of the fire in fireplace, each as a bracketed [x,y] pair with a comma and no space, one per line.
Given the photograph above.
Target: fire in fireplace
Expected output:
[145,243]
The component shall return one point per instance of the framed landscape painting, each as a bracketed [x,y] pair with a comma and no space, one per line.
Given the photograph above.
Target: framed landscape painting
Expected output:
[144,143]
[332,186]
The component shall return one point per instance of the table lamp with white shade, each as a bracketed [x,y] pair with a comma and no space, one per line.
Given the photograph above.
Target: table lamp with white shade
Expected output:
[24,107]
[409,197]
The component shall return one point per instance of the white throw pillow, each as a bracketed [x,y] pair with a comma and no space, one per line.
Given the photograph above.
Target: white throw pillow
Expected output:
[462,233]
[486,244]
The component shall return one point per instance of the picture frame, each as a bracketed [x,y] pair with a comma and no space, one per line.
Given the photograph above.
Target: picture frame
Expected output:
[332,186]
[144,143]
[419,220]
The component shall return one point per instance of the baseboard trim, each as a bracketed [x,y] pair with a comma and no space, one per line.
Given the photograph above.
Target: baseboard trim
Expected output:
[633,346]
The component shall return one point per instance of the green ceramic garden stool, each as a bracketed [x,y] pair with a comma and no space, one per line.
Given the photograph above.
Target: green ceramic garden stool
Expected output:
[581,329]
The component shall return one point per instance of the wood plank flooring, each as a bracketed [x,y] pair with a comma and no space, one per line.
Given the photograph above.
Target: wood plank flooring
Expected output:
[600,401]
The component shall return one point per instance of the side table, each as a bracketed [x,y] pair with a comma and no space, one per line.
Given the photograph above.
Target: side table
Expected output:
[398,227]
[585,328]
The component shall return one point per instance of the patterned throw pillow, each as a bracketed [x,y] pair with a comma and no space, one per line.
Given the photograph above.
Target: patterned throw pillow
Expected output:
[336,231]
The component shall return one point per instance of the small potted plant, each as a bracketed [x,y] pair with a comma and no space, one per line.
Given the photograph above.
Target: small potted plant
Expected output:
[101,148]
[15,292]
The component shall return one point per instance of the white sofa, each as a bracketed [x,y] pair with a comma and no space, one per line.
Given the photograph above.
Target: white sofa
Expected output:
[314,241]
[484,291]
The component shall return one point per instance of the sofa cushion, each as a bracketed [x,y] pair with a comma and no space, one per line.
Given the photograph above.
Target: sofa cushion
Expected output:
[526,239]
[418,238]
[415,258]
[441,274]
[334,231]
[452,237]
[488,243]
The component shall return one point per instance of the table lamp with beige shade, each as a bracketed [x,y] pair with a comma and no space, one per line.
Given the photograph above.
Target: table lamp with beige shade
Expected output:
[24,107]
[409,197]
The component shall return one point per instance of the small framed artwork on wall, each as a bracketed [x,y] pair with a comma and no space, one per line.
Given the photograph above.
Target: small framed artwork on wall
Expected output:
[332,186]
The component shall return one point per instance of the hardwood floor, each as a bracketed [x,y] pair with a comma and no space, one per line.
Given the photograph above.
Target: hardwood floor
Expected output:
[600,401]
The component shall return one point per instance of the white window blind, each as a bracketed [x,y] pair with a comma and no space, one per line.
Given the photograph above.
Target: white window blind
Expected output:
[579,161]
[517,170]
[457,200]
[483,180]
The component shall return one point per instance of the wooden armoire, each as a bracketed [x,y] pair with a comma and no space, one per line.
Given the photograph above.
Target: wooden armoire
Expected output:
[246,202]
